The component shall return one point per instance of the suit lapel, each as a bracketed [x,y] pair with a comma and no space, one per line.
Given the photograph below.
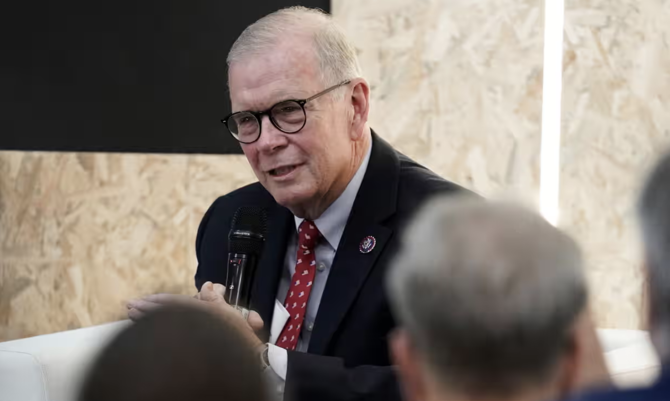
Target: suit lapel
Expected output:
[375,202]
[271,265]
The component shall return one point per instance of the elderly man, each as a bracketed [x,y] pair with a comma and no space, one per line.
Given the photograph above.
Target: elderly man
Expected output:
[337,197]
[492,305]
[654,215]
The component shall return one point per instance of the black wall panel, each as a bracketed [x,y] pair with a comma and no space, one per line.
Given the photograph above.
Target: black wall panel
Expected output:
[120,75]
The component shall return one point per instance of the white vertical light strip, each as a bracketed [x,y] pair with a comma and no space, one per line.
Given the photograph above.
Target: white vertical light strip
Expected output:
[554,14]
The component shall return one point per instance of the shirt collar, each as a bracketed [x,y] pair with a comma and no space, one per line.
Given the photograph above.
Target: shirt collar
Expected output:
[331,223]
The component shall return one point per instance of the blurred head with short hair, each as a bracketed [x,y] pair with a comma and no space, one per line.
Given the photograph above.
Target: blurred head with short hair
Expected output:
[176,354]
[654,214]
[489,296]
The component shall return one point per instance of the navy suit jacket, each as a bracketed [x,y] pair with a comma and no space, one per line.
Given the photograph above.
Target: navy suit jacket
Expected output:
[660,391]
[348,356]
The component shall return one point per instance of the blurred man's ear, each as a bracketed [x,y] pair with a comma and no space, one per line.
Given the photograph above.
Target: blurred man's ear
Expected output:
[650,316]
[645,304]
[569,367]
[583,366]
[406,360]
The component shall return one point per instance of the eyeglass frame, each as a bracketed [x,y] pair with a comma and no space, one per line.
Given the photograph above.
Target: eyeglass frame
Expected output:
[259,114]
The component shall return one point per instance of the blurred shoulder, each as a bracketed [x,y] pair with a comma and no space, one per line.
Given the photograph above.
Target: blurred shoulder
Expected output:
[648,394]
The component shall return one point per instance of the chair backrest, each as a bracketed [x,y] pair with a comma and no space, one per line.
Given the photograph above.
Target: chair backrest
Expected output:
[51,367]
[630,356]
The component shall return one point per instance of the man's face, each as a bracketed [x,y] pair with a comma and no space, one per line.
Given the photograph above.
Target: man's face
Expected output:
[297,169]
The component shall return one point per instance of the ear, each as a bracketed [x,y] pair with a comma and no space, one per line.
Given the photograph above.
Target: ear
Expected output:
[584,363]
[569,368]
[404,357]
[647,305]
[360,105]
[651,315]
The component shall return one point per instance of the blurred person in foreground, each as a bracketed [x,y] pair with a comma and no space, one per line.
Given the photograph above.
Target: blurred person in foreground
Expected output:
[654,215]
[516,326]
[176,353]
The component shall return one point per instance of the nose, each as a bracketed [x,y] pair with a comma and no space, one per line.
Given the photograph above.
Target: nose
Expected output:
[271,138]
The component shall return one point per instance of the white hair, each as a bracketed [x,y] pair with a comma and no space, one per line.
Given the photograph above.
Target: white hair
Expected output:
[335,53]
[488,292]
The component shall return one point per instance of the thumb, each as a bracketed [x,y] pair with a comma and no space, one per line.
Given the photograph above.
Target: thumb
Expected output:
[211,293]
[255,321]
[219,289]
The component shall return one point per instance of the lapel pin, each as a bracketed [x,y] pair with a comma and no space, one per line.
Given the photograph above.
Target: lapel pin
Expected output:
[368,244]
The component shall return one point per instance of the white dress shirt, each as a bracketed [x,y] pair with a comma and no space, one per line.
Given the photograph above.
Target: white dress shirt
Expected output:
[331,225]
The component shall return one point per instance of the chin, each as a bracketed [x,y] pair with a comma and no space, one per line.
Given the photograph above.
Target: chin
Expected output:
[291,198]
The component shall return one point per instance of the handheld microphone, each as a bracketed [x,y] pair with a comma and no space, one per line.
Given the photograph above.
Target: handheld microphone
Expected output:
[245,245]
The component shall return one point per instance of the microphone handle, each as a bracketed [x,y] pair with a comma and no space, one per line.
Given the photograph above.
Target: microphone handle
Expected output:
[238,281]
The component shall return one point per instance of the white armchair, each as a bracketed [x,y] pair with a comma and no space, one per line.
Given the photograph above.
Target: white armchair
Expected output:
[50,367]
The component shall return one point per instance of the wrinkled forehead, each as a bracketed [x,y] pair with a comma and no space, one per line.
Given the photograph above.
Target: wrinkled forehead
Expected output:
[287,71]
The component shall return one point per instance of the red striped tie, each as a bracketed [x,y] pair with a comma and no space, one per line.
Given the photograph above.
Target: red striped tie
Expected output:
[301,285]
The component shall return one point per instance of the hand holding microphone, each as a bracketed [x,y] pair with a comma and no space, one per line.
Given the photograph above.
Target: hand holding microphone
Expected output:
[216,293]
[211,299]
[230,301]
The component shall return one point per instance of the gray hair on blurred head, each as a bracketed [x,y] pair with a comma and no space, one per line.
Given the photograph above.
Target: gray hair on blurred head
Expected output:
[654,214]
[335,53]
[488,293]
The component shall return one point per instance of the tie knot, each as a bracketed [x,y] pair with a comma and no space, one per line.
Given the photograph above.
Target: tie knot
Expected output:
[308,234]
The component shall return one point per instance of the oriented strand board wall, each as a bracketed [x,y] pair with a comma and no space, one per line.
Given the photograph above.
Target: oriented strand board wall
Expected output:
[456,84]
[616,116]
[80,233]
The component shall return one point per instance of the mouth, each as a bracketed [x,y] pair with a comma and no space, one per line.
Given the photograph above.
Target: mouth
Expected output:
[283,171]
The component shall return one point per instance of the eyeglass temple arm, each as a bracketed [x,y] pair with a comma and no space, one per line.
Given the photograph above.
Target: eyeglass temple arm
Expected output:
[332,88]
[261,113]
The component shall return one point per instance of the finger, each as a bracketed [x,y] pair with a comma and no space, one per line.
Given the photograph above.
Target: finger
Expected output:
[205,289]
[255,321]
[220,289]
[130,303]
[209,297]
[213,294]
[206,294]
[135,315]
[143,306]
[169,299]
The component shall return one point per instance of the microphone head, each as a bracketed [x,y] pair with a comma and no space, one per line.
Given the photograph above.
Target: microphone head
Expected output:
[248,230]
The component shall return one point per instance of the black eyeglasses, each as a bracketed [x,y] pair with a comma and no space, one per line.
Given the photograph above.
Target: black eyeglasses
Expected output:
[288,116]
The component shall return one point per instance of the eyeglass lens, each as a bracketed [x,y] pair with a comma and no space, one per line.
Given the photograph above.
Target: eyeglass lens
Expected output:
[288,116]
